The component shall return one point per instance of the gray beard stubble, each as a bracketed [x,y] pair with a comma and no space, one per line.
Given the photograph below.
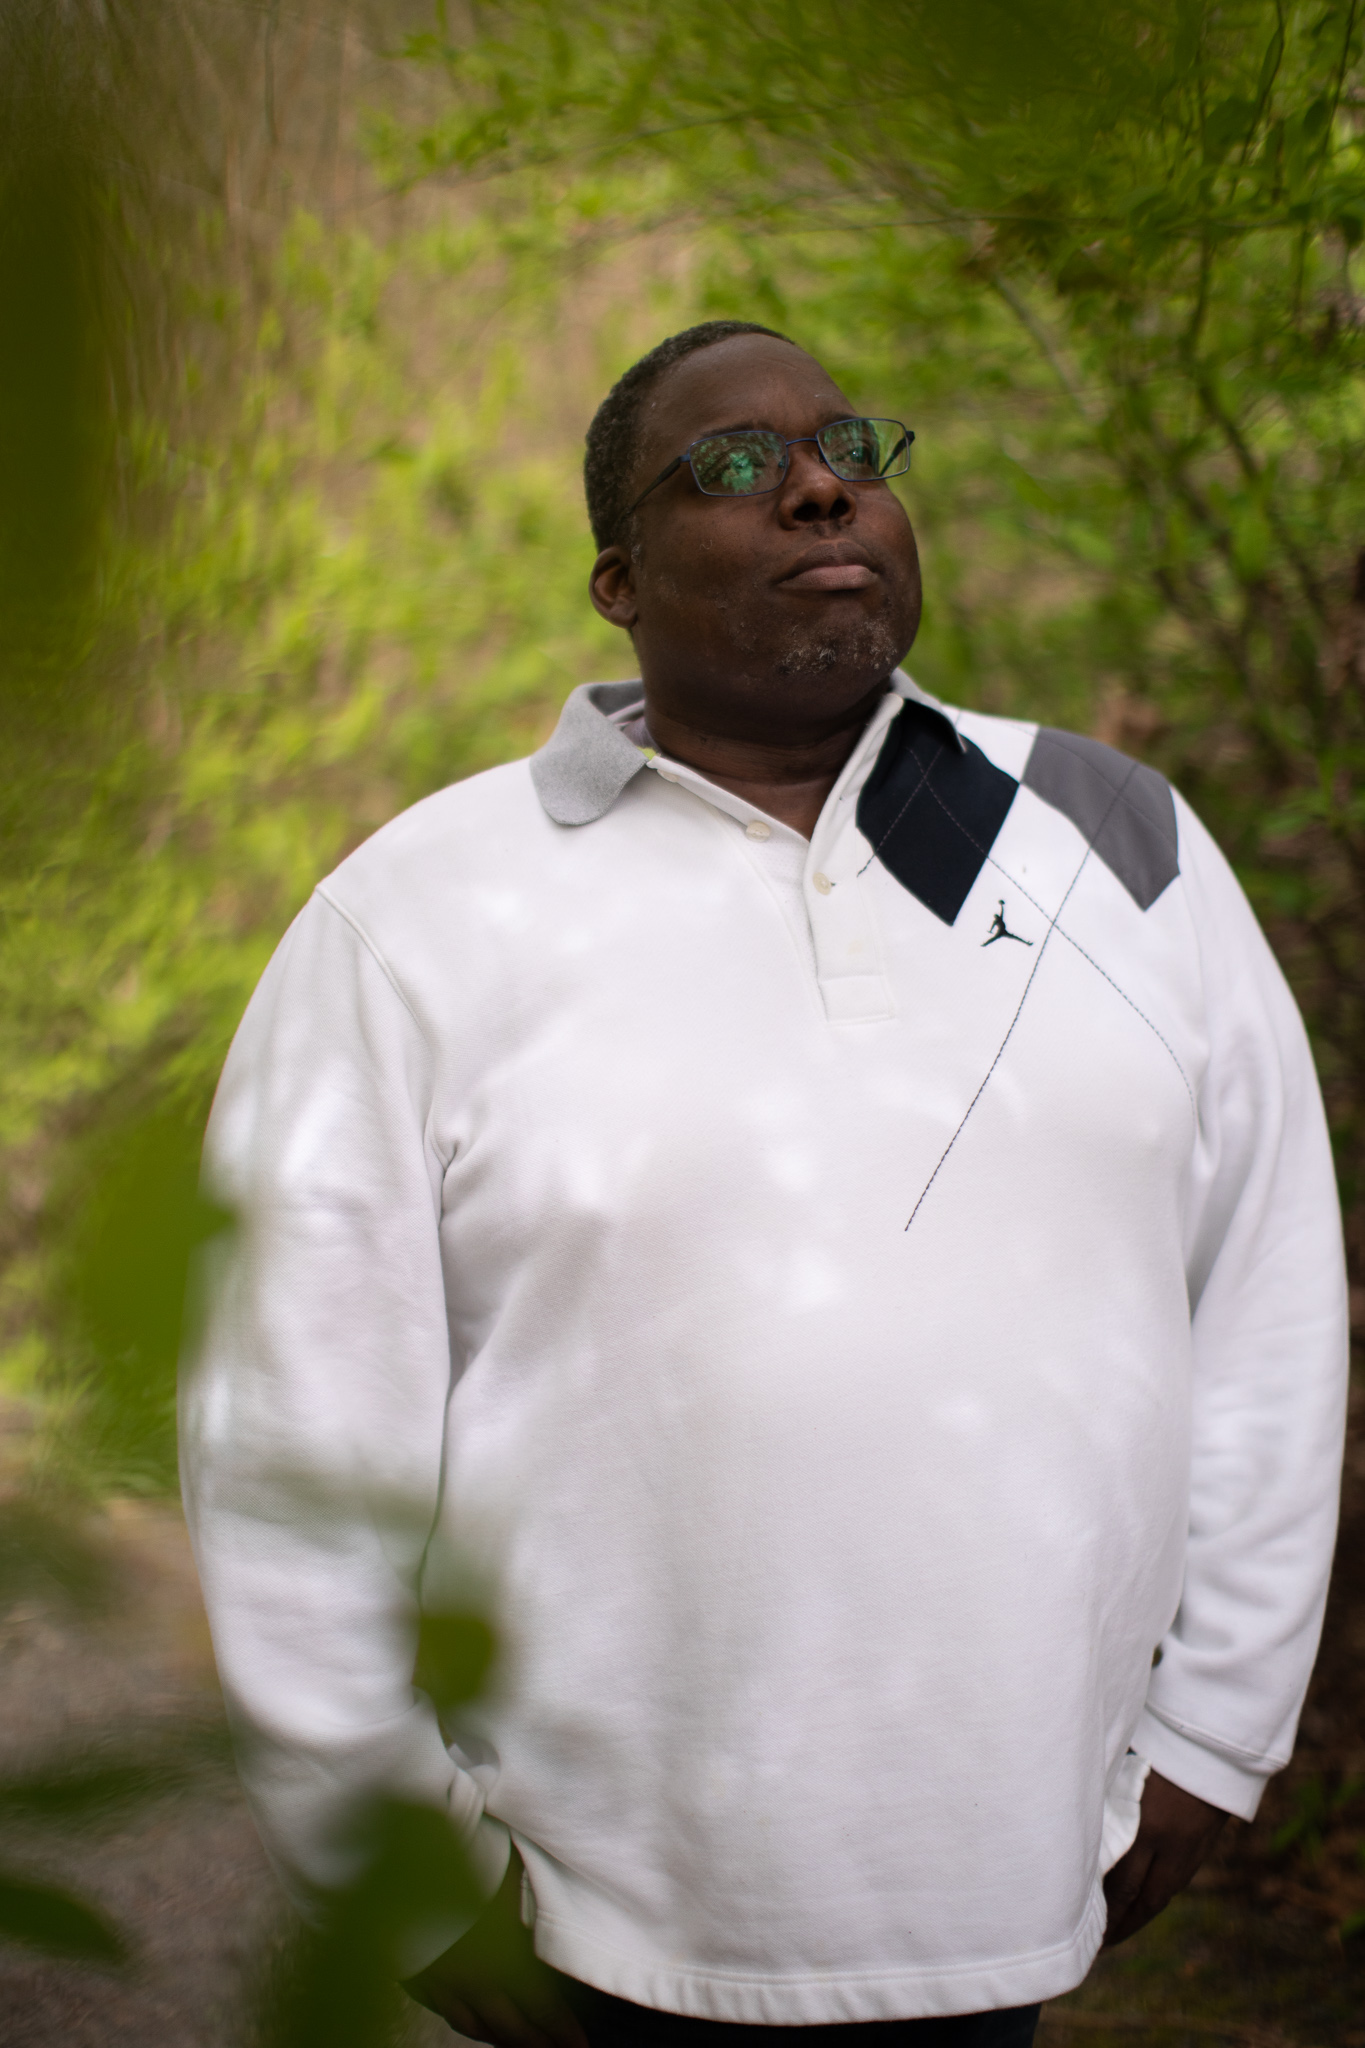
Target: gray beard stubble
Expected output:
[870,646]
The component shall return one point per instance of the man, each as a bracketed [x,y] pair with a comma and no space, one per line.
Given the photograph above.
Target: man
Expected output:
[887,1385]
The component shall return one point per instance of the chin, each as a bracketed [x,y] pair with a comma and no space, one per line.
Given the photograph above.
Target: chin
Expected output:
[868,649]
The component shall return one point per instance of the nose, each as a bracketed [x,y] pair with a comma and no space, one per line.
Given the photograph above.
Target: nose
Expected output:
[811,494]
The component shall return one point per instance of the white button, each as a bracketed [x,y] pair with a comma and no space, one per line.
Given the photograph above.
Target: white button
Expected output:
[822,882]
[756,829]
[665,775]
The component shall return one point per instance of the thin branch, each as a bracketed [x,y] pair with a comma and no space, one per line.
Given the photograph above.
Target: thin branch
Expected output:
[1277,44]
[1255,476]
[1043,341]
[1340,80]
[1189,341]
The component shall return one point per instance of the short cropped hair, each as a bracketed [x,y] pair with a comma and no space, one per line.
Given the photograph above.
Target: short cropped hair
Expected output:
[614,436]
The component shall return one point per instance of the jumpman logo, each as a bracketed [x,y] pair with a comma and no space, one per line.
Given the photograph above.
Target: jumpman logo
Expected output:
[1000,930]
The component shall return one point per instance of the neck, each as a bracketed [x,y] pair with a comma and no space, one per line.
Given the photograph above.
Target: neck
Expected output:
[787,775]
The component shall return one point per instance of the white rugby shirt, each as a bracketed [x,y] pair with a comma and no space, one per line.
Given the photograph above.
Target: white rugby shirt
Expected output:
[868,1314]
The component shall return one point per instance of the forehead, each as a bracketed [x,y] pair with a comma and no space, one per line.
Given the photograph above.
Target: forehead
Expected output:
[750,380]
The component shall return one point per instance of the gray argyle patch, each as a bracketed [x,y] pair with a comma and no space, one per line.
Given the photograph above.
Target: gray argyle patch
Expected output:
[1124,810]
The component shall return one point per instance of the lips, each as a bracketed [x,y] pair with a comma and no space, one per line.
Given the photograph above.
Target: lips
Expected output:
[830,569]
[832,576]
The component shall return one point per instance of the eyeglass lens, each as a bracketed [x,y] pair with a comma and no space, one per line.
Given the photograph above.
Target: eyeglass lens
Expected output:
[738,465]
[743,464]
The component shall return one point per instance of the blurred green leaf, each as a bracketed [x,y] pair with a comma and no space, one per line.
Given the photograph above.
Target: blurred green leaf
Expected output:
[1227,124]
[131,1216]
[143,1215]
[55,411]
[455,1654]
[1028,487]
[42,1917]
[337,1986]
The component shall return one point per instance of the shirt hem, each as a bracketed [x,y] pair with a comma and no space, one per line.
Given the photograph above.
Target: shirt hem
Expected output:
[825,1998]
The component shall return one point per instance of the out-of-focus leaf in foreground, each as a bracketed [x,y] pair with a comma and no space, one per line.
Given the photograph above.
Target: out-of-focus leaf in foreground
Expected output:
[336,1983]
[455,1654]
[337,1986]
[132,1218]
[45,1918]
[67,336]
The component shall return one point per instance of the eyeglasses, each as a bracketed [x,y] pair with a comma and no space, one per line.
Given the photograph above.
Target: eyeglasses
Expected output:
[753,460]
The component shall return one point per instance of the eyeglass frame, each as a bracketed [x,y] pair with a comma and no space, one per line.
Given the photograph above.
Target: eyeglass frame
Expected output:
[795,442]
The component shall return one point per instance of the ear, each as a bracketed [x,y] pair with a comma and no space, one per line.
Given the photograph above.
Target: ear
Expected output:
[611,586]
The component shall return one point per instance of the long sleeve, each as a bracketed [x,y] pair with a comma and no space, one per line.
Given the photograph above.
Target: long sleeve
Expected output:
[313,1409]
[1268,1301]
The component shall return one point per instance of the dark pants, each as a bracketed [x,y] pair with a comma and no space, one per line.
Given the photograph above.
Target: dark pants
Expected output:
[615,2023]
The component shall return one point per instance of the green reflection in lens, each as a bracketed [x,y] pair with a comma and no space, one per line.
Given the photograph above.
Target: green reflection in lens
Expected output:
[737,465]
[859,448]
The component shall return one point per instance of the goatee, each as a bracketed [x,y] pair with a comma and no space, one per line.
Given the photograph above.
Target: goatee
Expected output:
[870,647]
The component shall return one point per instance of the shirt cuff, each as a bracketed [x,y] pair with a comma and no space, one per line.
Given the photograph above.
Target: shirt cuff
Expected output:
[489,1850]
[1209,1774]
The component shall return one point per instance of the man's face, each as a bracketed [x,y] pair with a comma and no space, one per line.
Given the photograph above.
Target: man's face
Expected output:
[750,614]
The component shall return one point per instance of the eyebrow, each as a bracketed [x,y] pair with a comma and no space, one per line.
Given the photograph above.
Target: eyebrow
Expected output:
[755,427]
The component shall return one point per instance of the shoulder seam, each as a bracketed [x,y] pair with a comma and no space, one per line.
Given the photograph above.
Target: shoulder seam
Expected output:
[380,962]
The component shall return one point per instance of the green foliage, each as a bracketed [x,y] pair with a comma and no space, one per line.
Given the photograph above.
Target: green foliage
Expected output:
[370,584]
[1324,1821]
[1317,1806]
[454,1658]
[1104,261]
[57,301]
[132,1217]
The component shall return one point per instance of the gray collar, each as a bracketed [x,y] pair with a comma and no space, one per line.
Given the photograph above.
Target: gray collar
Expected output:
[587,760]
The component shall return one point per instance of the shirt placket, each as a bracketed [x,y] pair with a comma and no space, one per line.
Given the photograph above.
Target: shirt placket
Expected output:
[835,905]
[850,962]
